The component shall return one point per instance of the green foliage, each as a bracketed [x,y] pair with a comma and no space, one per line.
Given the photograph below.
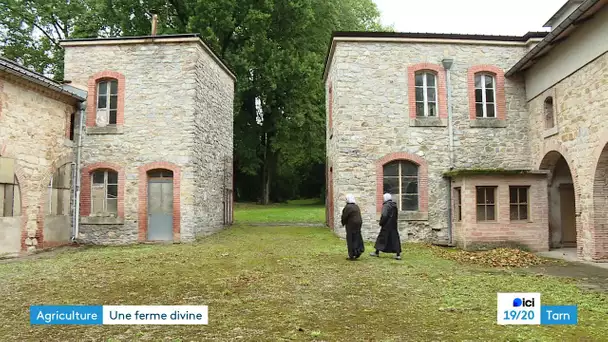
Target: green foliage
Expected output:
[276,47]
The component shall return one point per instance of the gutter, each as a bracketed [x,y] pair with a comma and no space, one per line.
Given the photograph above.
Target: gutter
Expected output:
[546,42]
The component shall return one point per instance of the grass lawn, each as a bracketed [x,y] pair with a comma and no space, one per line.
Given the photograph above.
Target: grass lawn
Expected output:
[300,211]
[282,283]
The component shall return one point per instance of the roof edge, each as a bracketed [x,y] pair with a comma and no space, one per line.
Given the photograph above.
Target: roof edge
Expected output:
[18,70]
[430,37]
[153,39]
[561,10]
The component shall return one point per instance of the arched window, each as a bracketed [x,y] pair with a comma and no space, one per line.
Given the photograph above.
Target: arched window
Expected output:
[426,93]
[104,192]
[400,179]
[107,102]
[10,199]
[59,191]
[548,110]
[485,95]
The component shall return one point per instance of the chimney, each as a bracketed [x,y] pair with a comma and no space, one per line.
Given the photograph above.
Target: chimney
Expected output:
[154,17]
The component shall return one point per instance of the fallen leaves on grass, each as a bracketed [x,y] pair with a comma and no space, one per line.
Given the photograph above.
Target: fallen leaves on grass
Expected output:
[499,257]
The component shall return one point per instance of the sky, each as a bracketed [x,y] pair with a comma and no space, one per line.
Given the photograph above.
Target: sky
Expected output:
[498,17]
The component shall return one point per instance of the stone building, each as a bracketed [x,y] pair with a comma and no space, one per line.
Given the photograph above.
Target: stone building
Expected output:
[135,145]
[481,140]
[36,155]
[157,142]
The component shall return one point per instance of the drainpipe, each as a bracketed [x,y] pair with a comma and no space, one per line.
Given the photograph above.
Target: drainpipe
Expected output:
[76,224]
[447,64]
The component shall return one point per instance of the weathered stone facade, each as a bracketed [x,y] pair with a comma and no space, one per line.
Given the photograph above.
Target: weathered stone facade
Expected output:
[35,118]
[174,113]
[551,114]
[371,119]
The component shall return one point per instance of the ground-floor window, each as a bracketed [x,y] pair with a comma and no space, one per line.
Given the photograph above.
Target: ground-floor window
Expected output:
[518,200]
[104,192]
[457,204]
[486,203]
[10,199]
[400,179]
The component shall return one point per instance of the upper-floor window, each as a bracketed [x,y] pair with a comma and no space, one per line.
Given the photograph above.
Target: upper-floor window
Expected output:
[548,111]
[485,95]
[401,181]
[104,192]
[426,93]
[107,102]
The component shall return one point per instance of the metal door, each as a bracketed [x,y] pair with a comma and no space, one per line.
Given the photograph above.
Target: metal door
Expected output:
[160,209]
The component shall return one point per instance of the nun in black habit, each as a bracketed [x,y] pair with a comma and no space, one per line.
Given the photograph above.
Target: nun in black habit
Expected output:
[388,240]
[351,219]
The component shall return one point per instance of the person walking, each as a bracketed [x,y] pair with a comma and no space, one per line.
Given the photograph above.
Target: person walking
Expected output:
[388,240]
[351,219]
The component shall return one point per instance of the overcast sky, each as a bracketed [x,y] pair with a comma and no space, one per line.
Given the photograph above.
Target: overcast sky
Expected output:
[511,17]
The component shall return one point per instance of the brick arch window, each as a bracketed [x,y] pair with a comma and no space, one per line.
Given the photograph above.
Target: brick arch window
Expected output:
[427,93]
[105,103]
[10,197]
[102,191]
[486,85]
[548,112]
[405,177]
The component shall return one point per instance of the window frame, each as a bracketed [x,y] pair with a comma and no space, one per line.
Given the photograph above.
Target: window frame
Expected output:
[458,204]
[494,204]
[15,189]
[109,95]
[400,177]
[105,186]
[52,185]
[483,89]
[425,88]
[548,109]
[518,204]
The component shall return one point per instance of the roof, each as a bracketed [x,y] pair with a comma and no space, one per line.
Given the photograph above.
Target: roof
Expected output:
[423,36]
[560,33]
[152,39]
[14,68]
[561,11]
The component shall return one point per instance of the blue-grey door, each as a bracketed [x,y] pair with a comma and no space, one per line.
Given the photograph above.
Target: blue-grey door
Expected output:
[160,209]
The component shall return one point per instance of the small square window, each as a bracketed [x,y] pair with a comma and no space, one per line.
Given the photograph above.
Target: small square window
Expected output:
[518,206]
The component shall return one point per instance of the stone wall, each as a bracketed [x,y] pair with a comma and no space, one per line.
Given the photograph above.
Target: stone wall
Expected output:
[580,135]
[532,233]
[213,131]
[371,119]
[159,102]
[34,130]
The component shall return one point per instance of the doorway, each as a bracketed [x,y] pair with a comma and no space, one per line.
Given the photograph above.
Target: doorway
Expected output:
[567,213]
[160,205]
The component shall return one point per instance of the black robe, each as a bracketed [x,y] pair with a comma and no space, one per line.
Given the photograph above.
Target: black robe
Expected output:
[388,240]
[351,218]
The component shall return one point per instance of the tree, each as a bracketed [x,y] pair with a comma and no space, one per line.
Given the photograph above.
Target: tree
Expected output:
[277,49]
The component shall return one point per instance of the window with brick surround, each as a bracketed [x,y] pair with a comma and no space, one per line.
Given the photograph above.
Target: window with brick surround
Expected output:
[104,192]
[486,203]
[10,199]
[548,111]
[400,179]
[457,204]
[518,203]
[426,93]
[107,102]
[485,95]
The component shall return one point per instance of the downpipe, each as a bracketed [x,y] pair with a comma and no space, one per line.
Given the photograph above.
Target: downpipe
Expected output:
[76,223]
[447,64]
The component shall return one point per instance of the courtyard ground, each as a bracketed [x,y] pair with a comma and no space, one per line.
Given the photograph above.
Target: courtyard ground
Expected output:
[307,212]
[285,283]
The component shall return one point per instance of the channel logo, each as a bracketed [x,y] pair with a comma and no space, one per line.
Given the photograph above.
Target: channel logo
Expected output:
[523,303]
